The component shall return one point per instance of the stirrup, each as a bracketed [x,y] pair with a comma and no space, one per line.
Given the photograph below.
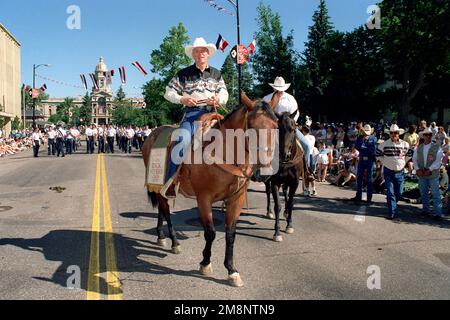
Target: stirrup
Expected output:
[167,186]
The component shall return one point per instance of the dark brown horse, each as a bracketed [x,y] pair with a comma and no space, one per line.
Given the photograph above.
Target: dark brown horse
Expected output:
[291,169]
[228,182]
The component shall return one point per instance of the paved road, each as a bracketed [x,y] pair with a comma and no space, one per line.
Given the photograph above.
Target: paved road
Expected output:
[103,225]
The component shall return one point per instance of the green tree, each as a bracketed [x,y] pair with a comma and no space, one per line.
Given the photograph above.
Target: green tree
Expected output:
[166,62]
[120,95]
[416,43]
[15,124]
[63,112]
[230,76]
[86,110]
[275,55]
[315,57]
[170,57]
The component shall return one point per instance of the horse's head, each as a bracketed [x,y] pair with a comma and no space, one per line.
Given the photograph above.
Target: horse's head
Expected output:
[286,126]
[263,124]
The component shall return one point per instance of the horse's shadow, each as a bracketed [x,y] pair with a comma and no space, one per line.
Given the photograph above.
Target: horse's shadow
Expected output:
[71,248]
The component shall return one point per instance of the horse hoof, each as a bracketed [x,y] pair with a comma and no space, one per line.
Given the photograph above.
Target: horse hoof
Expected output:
[162,242]
[290,230]
[270,215]
[176,250]
[278,238]
[206,271]
[235,280]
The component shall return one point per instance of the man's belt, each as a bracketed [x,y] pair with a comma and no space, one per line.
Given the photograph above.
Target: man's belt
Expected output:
[207,108]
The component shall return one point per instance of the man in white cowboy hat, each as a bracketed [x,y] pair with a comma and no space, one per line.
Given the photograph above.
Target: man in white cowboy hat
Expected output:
[366,144]
[394,153]
[427,161]
[201,89]
[282,102]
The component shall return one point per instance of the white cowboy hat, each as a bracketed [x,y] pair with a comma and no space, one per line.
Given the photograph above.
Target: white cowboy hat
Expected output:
[395,128]
[280,84]
[368,129]
[426,131]
[200,43]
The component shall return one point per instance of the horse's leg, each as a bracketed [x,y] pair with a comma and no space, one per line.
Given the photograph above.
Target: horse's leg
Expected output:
[206,217]
[268,194]
[159,229]
[276,197]
[165,209]
[290,206]
[233,212]
[285,193]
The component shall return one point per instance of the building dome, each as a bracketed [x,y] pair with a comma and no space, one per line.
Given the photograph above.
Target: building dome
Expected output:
[101,66]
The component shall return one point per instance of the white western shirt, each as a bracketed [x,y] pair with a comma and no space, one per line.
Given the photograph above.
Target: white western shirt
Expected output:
[394,156]
[287,104]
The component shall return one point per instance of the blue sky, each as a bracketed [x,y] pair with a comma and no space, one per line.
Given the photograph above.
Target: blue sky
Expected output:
[125,31]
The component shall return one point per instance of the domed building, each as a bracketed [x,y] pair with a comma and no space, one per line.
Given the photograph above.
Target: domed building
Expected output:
[102,97]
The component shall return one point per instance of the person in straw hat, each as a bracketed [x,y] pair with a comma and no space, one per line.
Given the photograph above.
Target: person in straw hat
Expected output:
[200,88]
[366,144]
[427,161]
[394,153]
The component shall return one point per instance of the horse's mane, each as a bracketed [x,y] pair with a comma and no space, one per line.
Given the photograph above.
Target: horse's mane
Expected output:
[260,105]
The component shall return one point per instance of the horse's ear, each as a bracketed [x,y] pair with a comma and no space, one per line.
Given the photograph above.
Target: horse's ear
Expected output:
[292,116]
[250,104]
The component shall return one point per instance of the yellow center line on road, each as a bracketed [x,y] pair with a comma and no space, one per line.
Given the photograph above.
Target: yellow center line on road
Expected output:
[93,286]
[112,273]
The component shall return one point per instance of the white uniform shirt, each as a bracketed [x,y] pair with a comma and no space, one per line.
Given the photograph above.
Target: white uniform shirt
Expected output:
[147,132]
[89,132]
[52,134]
[36,136]
[287,104]
[130,133]
[111,132]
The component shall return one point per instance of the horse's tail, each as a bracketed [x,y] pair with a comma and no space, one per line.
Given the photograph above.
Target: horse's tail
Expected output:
[152,197]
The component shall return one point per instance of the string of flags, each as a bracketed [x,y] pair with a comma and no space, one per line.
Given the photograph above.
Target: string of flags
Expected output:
[239,53]
[108,75]
[33,92]
[218,7]
[57,82]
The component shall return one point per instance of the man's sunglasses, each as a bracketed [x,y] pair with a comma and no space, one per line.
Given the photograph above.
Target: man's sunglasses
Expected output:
[395,133]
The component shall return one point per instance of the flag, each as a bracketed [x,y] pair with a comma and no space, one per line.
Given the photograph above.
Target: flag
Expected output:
[221,43]
[140,68]
[109,76]
[34,93]
[26,88]
[94,80]
[83,80]
[252,47]
[123,75]
[43,88]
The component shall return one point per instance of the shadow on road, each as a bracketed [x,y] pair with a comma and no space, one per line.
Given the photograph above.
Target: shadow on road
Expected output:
[71,248]
[407,214]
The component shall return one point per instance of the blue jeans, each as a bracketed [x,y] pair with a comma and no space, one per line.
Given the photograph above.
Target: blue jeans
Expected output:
[362,166]
[305,144]
[425,185]
[394,185]
[185,136]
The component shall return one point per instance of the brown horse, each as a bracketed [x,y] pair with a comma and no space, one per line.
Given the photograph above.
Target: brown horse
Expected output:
[217,182]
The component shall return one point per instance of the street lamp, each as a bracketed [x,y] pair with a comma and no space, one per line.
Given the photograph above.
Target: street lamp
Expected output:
[235,4]
[34,85]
